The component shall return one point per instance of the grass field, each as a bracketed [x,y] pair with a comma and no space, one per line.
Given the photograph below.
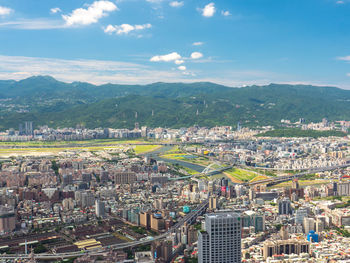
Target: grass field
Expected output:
[259,177]
[224,174]
[187,158]
[241,175]
[139,149]
[51,148]
[265,172]
[174,149]
[302,183]
[94,142]
[332,198]
[51,151]
[189,170]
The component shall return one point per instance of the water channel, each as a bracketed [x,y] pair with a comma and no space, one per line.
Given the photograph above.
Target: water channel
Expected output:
[156,155]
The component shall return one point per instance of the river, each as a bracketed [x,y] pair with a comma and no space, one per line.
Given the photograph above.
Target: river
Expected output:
[155,155]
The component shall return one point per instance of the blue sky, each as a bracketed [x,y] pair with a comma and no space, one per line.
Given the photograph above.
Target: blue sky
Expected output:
[232,42]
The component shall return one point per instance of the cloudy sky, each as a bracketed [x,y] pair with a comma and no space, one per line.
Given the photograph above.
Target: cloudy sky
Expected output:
[232,42]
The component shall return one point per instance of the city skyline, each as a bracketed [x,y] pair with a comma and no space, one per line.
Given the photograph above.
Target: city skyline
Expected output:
[157,131]
[233,43]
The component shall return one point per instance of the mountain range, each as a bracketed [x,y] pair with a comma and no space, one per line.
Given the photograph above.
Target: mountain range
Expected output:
[47,101]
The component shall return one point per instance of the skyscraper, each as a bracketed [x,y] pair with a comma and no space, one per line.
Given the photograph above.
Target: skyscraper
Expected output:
[300,214]
[309,225]
[220,241]
[100,208]
[239,126]
[7,219]
[87,199]
[284,207]
[28,127]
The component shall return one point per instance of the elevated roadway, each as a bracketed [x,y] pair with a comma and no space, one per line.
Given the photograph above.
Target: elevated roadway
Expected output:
[280,179]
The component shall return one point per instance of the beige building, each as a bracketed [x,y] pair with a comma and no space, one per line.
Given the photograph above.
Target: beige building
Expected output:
[125,177]
[213,203]
[145,219]
[7,219]
[309,224]
[290,246]
[340,217]
[157,223]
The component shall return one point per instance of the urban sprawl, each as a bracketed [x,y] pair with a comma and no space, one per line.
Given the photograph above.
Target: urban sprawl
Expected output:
[196,194]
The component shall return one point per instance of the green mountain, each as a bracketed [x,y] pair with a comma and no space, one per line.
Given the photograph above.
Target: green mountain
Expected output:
[44,100]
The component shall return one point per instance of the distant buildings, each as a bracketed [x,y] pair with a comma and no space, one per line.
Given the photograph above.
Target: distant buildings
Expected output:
[253,219]
[289,246]
[309,225]
[220,241]
[300,214]
[213,203]
[342,189]
[125,177]
[284,207]
[85,198]
[162,251]
[26,129]
[7,219]
[100,208]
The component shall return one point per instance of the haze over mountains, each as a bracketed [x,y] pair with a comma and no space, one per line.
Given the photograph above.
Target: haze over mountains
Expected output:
[44,100]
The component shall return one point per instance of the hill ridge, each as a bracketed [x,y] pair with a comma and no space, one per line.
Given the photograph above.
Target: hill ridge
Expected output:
[45,100]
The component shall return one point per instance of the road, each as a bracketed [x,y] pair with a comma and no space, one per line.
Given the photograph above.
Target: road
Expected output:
[279,179]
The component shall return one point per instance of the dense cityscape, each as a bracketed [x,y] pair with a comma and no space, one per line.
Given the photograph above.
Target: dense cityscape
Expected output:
[174,131]
[193,194]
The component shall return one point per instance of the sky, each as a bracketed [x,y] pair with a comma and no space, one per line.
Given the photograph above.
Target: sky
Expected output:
[230,42]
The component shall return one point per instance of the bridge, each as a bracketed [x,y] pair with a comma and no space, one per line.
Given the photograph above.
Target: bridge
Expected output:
[206,171]
[280,179]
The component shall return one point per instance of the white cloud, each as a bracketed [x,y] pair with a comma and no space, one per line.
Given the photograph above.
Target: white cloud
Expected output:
[125,28]
[93,71]
[109,29]
[179,61]
[33,24]
[340,2]
[348,74]
[196,55]
[182,68]
[176,3]
[166,58]
[346,58]
[103,71]
[92,14]
[209,10]
[225,13]
[197,43]
[4,11]
[55,10]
